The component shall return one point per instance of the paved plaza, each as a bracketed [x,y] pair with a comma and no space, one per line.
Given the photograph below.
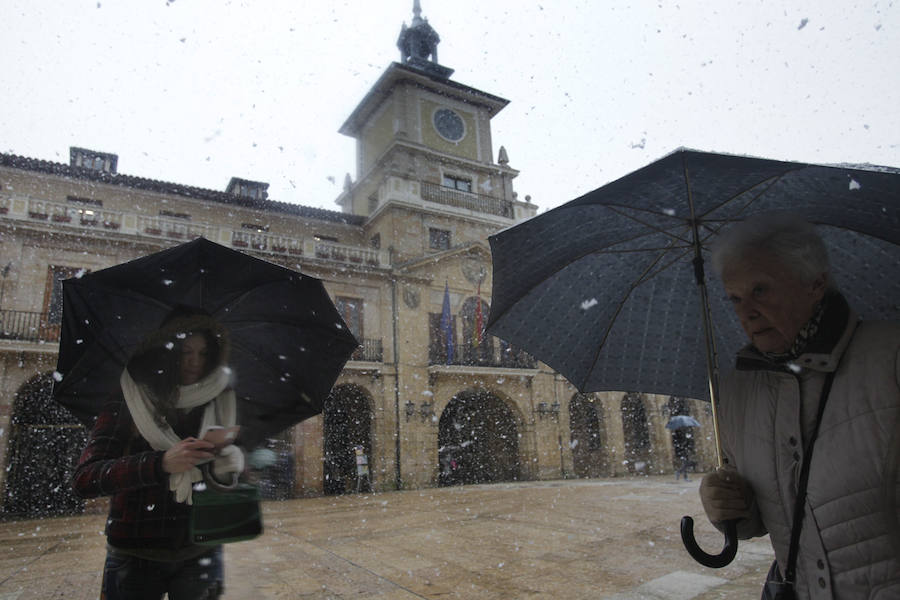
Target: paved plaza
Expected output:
[599,538]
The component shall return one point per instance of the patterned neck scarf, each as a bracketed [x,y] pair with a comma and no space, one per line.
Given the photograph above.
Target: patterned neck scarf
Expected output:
[806,333]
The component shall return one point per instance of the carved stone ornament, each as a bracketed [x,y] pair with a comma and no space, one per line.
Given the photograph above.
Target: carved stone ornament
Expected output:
[474,271]
[411,297]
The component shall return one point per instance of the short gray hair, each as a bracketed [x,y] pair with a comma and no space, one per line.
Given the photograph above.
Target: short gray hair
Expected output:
[786,236]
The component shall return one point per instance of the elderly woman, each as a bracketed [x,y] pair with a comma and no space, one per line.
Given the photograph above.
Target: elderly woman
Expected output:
[144,451]
[815,396]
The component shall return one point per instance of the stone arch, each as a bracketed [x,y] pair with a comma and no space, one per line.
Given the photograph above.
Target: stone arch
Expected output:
[637,434]
[347,423]
[44,445]
[478,439]
[471,353]
[683,440]
[588,437]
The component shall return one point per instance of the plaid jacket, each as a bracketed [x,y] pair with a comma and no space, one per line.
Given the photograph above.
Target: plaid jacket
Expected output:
[118,462]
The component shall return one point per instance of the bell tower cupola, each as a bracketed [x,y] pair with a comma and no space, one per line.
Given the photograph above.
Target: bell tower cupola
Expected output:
[418,45]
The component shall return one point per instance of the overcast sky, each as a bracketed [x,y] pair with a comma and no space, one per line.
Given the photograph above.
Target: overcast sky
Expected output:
[198,91]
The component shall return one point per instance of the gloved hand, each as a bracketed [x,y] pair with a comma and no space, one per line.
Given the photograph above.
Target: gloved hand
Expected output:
[229,460]
[725,495]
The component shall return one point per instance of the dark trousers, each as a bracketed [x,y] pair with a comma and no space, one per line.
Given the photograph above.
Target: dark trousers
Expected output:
[127,577]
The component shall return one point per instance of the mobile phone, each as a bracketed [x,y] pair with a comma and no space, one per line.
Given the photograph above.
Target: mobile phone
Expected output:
[221,436]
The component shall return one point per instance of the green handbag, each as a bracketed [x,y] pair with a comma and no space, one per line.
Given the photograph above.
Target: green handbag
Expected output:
[224,514]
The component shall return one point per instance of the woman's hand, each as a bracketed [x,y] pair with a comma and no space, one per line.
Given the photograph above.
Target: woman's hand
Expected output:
[187,454]
[725,495]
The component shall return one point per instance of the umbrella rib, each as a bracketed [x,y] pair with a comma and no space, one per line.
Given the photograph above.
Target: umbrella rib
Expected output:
[616,209]
[620,305]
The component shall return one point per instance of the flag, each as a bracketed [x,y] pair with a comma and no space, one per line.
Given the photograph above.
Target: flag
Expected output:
[478,331]
[447,323]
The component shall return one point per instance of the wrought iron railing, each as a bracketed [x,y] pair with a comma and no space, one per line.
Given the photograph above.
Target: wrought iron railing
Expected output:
[476,202]
[488,354]
[27,326]
[371,350]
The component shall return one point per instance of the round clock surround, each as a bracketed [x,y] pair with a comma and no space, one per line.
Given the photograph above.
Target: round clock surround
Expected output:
[449,124]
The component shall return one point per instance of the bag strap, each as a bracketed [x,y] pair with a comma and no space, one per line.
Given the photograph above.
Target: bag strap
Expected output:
[800,503]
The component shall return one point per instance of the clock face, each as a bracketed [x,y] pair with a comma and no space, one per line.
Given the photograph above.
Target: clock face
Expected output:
[449,124]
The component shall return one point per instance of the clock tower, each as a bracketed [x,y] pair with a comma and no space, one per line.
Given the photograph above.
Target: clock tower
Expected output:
[424,153]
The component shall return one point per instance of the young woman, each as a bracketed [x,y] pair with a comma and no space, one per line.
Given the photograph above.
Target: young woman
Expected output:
[144,452]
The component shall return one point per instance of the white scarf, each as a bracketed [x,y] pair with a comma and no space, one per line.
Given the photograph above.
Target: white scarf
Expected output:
[221,409]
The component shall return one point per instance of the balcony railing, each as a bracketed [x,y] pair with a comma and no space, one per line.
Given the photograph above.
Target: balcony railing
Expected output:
[71,215]
[370,351]
[344,253]
[475,202]
[175,230]
[492,353]
[266,242]
[26,326]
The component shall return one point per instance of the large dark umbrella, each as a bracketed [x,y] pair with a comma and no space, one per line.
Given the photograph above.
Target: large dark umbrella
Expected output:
[288,342]
[609,289]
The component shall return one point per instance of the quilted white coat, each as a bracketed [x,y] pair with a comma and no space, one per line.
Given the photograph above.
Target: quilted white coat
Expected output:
[850,539]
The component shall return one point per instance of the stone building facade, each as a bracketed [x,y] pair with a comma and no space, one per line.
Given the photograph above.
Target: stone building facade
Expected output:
[411,236]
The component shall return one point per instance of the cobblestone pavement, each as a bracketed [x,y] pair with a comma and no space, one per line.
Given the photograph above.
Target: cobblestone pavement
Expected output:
[600,538]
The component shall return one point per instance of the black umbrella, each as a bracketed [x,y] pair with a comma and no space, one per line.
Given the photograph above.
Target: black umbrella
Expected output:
[288,342]
[609,289]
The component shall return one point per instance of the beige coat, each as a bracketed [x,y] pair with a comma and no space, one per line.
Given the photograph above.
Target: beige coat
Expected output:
[850,540]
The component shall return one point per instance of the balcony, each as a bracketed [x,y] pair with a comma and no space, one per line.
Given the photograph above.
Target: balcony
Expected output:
[370,351]
[23,326]
[347,254]
[69,215]
[492,353]
[265,242]
[475,202]
[173,230]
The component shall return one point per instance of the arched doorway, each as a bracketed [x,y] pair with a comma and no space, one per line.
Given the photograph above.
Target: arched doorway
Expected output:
[478,440]
[637,434]
[587,437]
[347,424]
[44,445]
[683,453]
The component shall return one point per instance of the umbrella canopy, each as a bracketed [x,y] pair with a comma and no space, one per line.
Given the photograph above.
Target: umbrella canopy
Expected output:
[288,342]
[681,422]
[604,288]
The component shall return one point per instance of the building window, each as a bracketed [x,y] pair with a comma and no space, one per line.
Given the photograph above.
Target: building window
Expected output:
[175,215]
[351,310]
[87,201]
[438,239]
[457,183]
[254,190]
[375,241]
[90,159]
[53,295]
[255,227]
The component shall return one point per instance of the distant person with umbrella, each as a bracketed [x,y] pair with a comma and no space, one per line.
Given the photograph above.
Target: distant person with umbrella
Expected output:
[810,419]
[680,425]
[144,451]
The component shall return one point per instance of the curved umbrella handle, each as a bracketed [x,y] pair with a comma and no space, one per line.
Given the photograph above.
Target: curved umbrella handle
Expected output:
[214,484]
[713,561]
